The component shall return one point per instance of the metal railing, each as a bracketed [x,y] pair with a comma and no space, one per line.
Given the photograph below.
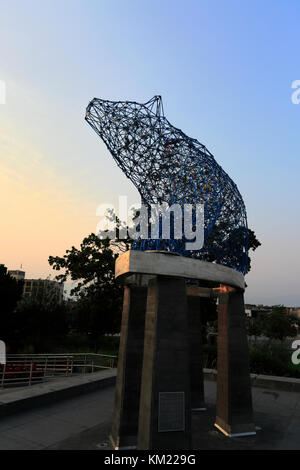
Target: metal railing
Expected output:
[29,369]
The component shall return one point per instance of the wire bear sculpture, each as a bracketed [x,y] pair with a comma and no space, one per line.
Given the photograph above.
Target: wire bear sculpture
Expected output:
[167,166]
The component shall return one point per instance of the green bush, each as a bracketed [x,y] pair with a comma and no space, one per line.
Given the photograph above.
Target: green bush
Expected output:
[78,343]
[210,356]
[264,360]
[272,361]
[109,344]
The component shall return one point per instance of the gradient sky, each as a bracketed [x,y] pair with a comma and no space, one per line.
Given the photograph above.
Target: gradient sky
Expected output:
[224,70]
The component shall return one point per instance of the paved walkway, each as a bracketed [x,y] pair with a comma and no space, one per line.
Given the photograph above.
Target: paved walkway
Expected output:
[84,423]
[81,422]
[276,412]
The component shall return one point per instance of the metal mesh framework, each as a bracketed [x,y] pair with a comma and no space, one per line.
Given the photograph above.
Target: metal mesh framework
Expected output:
[166,165]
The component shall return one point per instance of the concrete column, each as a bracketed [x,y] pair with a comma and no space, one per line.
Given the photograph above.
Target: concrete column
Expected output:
[234,401]
[165,404]
[196,355]
[125,422]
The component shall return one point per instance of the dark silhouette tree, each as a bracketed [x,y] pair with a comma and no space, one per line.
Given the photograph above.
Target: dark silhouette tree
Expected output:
[10,293]
[99,297]
[279,325]
[39,322]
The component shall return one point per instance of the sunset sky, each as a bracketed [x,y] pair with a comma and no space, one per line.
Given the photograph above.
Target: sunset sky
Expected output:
[224,70]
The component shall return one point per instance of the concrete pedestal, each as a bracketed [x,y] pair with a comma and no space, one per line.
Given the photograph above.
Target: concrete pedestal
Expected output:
[196,355]
[165,403]
[126,411]
[167,378]
[234,401]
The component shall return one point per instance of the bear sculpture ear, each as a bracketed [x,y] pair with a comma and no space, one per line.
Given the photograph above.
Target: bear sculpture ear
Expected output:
[156,105]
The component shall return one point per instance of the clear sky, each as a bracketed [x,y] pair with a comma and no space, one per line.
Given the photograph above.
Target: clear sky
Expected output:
[224,70]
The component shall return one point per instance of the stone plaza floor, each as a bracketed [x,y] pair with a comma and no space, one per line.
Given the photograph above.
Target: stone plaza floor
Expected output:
[84,422]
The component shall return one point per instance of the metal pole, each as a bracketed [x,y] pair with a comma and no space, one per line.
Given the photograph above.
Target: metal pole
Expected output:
[3,375]
[84,367]
[30,376]
[45,367]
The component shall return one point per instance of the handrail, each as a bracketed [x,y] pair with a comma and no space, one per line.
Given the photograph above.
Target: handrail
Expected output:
[60,354]
[28,369]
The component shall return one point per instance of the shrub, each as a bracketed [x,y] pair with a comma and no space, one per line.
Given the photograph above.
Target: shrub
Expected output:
[263,360]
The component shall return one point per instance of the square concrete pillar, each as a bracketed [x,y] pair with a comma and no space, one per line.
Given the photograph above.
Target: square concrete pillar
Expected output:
[196,354]
[128,384]
[234,400]
[165,404]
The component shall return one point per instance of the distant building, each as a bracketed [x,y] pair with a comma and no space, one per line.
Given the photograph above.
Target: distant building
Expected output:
[36,287]
[256,311]
[3,269]
[17,274]
[294,311]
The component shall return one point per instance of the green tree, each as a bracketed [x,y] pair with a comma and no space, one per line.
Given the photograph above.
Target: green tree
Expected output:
[231,247]
[39,321]
[279,325]
[255,327]
[10,293]
[279,309]
[99,296]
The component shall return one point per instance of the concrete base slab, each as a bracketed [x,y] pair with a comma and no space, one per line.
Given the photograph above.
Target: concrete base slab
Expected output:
[126,448]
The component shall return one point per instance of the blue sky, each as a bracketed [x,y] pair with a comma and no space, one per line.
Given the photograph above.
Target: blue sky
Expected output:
[224,70]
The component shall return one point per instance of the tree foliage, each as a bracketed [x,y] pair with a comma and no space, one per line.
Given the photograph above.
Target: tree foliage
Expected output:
[229,248]
[10,294]
[99,297]
[279,325]
[92,265]
[29,322]
[39,321]
[255,327]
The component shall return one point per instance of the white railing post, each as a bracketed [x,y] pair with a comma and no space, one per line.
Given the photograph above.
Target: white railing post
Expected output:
[45,366]
[67,371]
[84,367]
[30,375]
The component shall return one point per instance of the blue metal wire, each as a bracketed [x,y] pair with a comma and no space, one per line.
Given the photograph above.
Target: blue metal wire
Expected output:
[166,165]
